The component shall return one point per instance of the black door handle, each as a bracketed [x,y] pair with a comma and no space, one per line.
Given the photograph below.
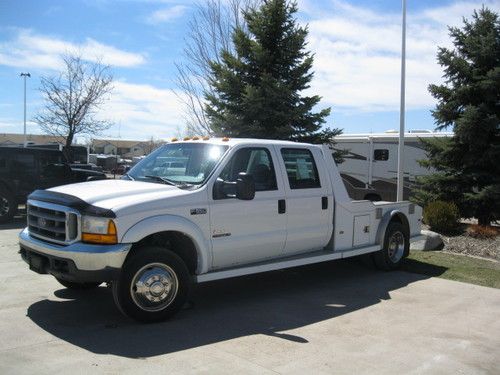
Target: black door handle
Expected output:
[281,206]
[324,203]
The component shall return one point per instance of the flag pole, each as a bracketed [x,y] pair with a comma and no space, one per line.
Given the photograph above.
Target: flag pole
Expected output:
[402,107]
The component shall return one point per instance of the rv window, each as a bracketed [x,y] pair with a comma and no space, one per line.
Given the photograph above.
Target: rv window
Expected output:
[381,155]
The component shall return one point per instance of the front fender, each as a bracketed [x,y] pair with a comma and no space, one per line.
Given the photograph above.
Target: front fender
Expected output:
[386,219]
[164,223]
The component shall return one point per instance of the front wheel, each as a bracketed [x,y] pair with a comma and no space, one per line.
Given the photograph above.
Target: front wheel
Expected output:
[153,286]
[396,248]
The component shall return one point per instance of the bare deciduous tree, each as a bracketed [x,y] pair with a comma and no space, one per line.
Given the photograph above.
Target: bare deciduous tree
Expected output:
[152,144]
[73,98]
[210,32]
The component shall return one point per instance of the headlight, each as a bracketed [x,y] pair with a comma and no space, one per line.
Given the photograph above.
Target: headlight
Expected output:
[98,230]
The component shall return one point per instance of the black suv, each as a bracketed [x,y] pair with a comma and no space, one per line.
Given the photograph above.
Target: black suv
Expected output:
[23,170]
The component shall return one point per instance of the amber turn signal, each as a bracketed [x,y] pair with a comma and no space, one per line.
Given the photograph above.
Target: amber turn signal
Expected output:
[105,239]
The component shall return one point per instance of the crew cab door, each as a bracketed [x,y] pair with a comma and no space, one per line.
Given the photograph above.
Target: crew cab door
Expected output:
[309,199]
[248,231]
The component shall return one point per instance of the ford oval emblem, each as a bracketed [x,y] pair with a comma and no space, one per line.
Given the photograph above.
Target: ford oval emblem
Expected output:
[42,222]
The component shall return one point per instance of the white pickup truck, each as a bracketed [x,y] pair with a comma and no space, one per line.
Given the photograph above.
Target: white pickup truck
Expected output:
[207,209]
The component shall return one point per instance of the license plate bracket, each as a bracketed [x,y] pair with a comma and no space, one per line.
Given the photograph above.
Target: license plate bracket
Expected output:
[38,263]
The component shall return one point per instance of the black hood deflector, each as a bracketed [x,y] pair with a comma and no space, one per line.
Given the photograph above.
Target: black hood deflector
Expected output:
[70,201]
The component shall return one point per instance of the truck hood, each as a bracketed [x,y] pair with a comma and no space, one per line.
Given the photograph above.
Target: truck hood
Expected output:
[115,194]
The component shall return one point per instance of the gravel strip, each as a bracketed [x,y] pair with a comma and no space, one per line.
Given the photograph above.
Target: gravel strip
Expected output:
[464,244]
[467,245]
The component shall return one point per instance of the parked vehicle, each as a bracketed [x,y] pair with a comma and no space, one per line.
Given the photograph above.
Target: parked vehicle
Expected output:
[75,154]
[23,170]
[370,167]
[198,211]
[87,166]
[121,169]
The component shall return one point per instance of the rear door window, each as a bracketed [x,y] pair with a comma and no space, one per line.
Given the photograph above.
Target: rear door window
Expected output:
[300,168]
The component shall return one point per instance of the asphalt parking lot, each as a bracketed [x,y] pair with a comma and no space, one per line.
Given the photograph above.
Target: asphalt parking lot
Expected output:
[337,317]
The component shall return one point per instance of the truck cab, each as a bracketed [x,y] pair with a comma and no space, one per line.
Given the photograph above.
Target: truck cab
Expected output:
[202,210]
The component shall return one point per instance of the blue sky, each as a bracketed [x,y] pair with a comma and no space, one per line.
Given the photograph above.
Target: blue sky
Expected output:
[356,46]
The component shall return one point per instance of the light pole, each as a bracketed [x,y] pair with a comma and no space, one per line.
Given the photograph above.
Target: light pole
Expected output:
[401,143]
[24,75]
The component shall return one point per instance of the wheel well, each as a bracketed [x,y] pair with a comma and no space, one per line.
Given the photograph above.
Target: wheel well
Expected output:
[400,218]
[177,242]
[4,185]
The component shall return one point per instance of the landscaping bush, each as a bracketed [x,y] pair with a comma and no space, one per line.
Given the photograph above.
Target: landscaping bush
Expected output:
[482,231]
[442,216]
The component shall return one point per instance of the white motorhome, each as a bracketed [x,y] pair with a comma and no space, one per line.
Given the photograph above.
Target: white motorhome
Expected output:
[371,165]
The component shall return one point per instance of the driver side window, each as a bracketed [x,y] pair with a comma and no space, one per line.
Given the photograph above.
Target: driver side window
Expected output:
[253,161]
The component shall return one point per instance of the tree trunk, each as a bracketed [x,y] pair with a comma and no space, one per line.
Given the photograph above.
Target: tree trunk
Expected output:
[68,153]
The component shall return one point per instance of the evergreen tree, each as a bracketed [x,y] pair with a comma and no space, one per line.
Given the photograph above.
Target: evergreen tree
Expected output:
[468,164]
[257,89]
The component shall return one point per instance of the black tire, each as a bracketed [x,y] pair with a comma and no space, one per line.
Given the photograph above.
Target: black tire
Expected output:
[8,206]
[396,248]
[165,282]
[77,286]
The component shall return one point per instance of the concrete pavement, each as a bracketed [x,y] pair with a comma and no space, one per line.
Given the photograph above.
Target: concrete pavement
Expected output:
[337,317]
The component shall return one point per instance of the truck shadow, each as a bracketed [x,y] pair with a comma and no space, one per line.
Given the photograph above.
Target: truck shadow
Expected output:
[267,304]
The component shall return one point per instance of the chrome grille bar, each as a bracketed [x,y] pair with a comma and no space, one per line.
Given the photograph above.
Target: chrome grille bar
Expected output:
[52,222]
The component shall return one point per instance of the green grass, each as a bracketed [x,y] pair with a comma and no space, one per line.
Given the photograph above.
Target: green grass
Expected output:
[454,267]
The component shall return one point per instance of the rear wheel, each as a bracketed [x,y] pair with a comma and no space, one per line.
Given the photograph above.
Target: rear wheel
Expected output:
[8,205]
[77,286]
[153,286]
[396,248]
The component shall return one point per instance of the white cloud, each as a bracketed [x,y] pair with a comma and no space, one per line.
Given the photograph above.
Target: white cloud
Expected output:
[357,53]
[142,111]
[167,14]
[138,111]
[30,50]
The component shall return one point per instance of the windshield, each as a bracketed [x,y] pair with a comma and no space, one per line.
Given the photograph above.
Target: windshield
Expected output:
[179,163]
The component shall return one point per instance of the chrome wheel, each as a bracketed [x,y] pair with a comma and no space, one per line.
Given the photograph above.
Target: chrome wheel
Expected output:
[396,247]
[4,206]
[154,287]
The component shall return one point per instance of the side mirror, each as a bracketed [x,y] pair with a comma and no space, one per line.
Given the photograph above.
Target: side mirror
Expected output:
[245,187]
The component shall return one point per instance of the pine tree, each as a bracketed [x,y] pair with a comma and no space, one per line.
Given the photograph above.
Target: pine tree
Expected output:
[468,164]
[257,89]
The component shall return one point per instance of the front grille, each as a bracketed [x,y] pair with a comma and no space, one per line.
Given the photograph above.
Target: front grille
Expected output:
[52,223]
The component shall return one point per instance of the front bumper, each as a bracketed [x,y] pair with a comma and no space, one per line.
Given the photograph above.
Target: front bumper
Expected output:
[77,262]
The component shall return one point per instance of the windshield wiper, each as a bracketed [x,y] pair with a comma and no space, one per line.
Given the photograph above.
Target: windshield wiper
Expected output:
[161,179]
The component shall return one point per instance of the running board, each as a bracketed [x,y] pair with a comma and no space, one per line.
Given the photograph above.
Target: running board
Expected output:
[301,260]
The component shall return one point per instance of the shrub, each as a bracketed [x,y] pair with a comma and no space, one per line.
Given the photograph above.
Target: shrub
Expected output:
[442,216]
[482,231]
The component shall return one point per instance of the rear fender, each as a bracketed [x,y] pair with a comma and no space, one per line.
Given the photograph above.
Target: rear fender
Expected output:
[384,223]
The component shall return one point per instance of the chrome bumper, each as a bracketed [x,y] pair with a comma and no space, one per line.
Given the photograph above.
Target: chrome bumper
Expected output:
[86,257]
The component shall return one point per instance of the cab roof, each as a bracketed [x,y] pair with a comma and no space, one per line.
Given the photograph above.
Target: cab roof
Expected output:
[245,141]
